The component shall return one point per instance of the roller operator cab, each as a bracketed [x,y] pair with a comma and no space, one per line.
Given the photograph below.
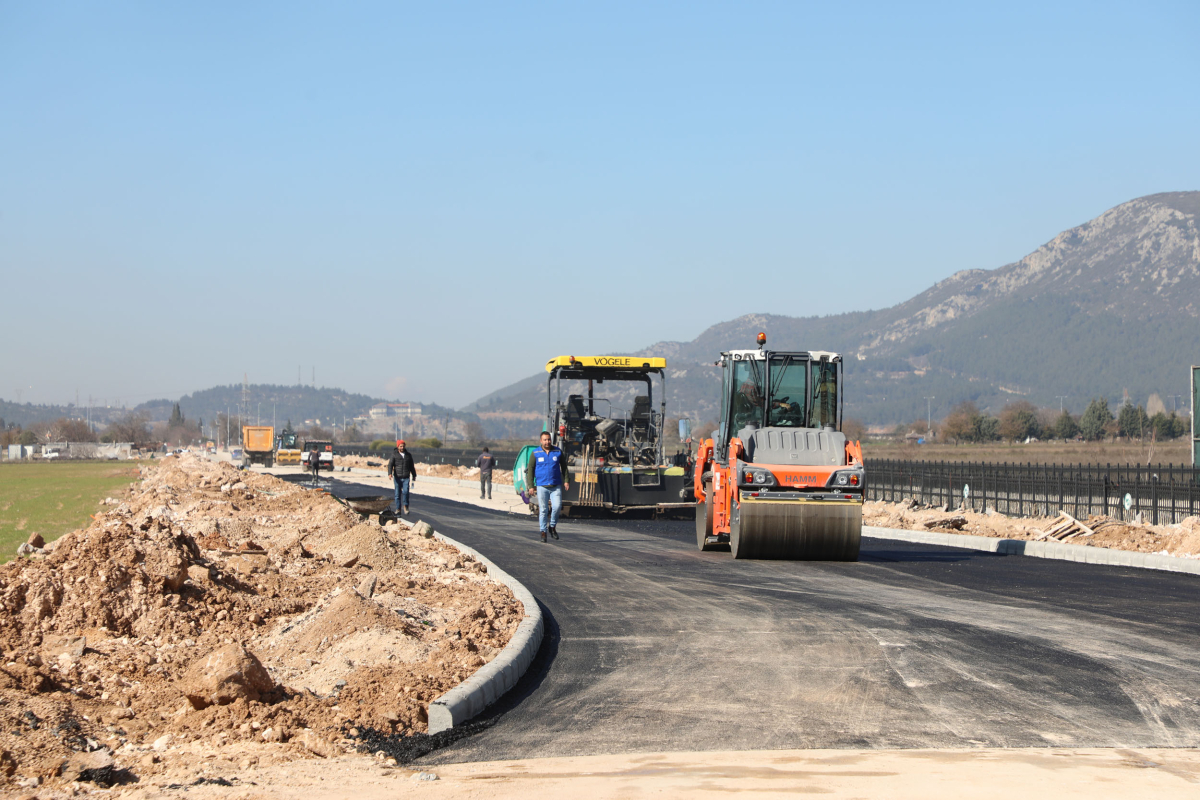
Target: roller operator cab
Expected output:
[600,411]
[288,451]
[779,479]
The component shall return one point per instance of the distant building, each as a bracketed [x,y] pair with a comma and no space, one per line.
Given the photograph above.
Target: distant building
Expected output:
[381,410]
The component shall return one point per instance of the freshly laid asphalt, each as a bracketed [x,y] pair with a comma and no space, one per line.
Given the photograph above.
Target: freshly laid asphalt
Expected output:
[652,645]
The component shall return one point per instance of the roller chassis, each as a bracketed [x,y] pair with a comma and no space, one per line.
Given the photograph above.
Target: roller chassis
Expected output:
[790,492]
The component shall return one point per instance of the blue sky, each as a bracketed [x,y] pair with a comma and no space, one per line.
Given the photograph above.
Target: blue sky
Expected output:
[464,190]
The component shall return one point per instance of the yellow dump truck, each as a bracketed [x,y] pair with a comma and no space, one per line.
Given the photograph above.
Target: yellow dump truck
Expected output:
[258,445]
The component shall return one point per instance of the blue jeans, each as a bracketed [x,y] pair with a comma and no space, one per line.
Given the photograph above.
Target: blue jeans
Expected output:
[401,493]
[549,504]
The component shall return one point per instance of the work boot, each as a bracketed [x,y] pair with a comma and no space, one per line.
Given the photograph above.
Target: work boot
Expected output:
[554,531]
[543,536]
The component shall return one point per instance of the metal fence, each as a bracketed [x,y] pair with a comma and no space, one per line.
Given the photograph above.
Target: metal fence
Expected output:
[1163,494]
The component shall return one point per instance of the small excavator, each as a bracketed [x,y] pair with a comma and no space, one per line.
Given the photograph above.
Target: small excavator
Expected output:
[779,480]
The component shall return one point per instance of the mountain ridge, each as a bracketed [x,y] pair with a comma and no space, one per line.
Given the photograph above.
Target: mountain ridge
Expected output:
[1105,307]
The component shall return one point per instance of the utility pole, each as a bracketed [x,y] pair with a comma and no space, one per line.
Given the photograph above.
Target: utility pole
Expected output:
[929,414]
[258,416]
[1175,403]
[1061,397]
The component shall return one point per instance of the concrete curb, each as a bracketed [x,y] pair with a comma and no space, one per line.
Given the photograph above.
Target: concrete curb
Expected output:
[500,674]
[1057,550]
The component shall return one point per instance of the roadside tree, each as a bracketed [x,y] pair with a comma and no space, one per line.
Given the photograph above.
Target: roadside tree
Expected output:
[1094,420]
[1065,427]
[71,430]
[474,433]
[1019,421]
[854,429]
[959,424]
[317,433]
[985,428]
[1132,422]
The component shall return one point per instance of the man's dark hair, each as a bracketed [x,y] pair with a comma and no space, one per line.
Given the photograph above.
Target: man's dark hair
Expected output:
[486,450]
[546,433]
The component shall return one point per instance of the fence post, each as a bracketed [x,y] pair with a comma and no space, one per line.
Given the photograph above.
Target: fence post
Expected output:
[1153,497]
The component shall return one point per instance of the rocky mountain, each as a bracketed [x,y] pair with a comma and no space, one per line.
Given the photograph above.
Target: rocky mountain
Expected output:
[1105,308]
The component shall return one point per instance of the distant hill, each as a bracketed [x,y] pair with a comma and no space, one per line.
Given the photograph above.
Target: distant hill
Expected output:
[23,414]
[1108,307]
[296,403]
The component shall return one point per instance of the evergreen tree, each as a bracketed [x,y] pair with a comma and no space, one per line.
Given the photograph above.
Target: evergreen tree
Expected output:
[1095,417]
[1065,427]
[1132,422]
[177,418]
[985,428]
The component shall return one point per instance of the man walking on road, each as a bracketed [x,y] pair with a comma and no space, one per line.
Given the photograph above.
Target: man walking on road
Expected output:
[547,470]
[485,462]
[401,469]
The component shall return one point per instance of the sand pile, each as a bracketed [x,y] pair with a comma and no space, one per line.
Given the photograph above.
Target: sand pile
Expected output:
[1182,539]
[214,611]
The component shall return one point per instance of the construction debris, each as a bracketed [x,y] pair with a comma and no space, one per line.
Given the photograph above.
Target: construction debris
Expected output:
[1065,527]
[957,522]
[1181,539]
[264,622]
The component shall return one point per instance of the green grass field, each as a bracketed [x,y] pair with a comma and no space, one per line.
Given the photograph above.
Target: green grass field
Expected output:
[55,498]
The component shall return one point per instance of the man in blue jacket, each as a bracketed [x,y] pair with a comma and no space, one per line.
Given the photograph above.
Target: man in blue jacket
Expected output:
[547,470]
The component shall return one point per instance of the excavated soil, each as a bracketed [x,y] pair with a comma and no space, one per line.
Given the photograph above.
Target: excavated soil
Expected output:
[1182,539]
[437,470]
[109,631]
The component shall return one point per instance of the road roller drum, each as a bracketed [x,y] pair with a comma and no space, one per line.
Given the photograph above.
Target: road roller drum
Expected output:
[796,530]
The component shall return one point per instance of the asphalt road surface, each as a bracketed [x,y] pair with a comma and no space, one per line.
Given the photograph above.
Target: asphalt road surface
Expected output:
[652,645]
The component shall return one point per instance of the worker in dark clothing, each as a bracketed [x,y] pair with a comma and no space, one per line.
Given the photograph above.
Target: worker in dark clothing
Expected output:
[547,470]
[486,463]
[314,463]
[401,469]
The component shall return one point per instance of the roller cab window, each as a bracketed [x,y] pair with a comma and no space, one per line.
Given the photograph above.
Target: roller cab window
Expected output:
[789,388]
[823,406]
[746,404]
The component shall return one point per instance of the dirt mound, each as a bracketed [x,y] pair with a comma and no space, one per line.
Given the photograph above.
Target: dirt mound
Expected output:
[285,620]
[1182,539]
